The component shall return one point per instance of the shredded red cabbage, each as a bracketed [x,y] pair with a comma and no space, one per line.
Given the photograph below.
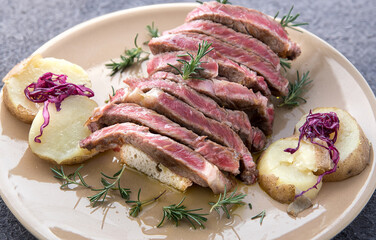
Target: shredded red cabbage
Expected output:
[53,88]
[321,126]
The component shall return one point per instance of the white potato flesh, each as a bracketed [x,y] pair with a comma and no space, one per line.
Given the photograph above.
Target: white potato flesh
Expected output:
[60,139]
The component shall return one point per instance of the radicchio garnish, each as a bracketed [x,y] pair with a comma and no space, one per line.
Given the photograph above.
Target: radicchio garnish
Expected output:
[53,88]
[321,126]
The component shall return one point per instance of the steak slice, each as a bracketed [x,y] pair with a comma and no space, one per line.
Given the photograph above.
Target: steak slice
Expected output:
[175,156]
[185,115]
[231,95]
[225,159]
[160,62]
[251,22]
[276,82]
[228,35]
[227,68]
[237,120]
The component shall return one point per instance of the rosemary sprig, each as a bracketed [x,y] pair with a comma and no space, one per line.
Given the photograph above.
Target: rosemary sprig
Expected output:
[130,57]
[70,179]
[176,212]
[102,192]
[285,64]
[153,31]
[137,206]
[261,215]
[289,20]
[296,89]
[224,200]
[194,63]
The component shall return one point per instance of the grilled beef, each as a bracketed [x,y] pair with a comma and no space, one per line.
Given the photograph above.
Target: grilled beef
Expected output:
[248,21]
[227,68]
[237,120]
[228,35]
[163,62]
[185,115]
[231,95]
[224,158]
[276,82]
[175,156]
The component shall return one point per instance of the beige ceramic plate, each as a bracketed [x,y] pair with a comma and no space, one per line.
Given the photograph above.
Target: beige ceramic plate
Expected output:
[33,195]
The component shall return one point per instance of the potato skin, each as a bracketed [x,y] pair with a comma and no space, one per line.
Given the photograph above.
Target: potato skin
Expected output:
[23,114]
[283,193]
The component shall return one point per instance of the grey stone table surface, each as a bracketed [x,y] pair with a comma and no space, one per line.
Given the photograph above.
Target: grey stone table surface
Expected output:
[348,25]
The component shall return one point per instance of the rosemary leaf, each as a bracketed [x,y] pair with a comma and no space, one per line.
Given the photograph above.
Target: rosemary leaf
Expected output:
[285,64]
[71,179]
[261,215]
[190,67]
[137,204]
[130,57]
[177,212]
[224,201]
[296,89]
[289,20]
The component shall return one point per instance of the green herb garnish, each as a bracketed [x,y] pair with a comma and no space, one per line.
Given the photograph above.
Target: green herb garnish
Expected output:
[194,63]
[224,201]
[296,89]
[130,57]
[289,20]
[152,31]
[137,206]
[220,1]
[102,192]
[177,212]
[70,179]
[261,215]
[285,64]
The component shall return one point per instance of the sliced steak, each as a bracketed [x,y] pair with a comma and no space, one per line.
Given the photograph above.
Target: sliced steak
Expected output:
[231,95]
[237,120]
[185,115]
[228,35]
[276,82]
[227,68]
[175,156]
[224,158]
[163,62]
[248,21]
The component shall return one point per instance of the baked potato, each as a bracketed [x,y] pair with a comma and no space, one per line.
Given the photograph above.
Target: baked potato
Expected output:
[28,71]
[60,138]
[284,175]
[352,144]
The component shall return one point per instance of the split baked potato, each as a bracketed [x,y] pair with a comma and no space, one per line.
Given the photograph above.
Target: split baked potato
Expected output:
[352,144]
[284,175]
[29,71]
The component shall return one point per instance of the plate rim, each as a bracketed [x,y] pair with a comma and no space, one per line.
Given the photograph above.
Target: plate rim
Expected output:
[330,231]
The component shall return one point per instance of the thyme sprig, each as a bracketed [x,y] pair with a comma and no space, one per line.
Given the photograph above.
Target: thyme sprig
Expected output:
[130,57]
[70,179]
[296,89]
[285,64]
[176,212]
[190,67]
[261,215]
[224,201]
[289,20]
[102,192]
[137,206]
